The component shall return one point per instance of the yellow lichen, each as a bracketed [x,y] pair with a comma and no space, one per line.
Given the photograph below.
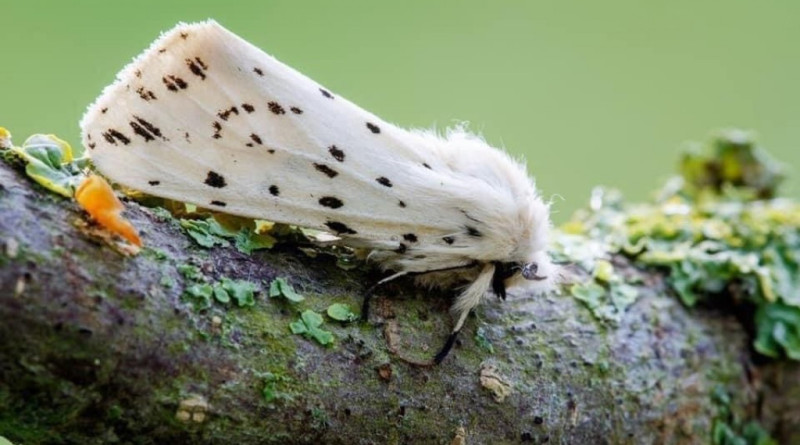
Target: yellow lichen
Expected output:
[491,379]
[193,408]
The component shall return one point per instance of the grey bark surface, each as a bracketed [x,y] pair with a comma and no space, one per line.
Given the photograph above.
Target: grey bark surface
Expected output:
[99,347]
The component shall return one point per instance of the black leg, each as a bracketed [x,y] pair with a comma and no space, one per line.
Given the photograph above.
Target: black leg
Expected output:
[368,294]
[446,348]
[367,298]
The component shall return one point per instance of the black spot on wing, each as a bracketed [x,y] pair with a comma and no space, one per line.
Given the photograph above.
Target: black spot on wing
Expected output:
[274,190]
[258,71]
[217,130]
[174,83]
[276,108]
[327,171]
[373,128]
[330,201]
[402,204]
[472,231]
[402,248]
[326,93]
[154,183]
[218,203]
[145,94]
[336,153]
[225,114]
[340,228]
[184,35]
[256,138]
[384,181]
[448,239]
[215,180]
[145,129]
[425,164]
[150,127]
[249,108]
[138,129]
[410,237]
[112,136]
[296,110]
[197,67]
[104,110]
[91,145]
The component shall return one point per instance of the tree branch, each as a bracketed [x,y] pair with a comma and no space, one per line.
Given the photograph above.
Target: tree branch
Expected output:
[96,346]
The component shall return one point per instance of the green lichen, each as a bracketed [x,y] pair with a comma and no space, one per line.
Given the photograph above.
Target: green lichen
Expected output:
[279,287]
[200,295]
[167,281]
[190,272]
[221,229]
[154,253]
[241,291]
[203,295]
[52,163]
[482,341]
[309,326]
[273,390]
[207,233]
[728,429]
[717,229]
[607,295]
[248,239]
[341,312]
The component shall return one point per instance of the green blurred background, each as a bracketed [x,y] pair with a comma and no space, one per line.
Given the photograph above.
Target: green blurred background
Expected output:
[589,92]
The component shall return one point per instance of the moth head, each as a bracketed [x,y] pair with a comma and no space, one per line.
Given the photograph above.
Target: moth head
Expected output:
[530,271]
[536,273]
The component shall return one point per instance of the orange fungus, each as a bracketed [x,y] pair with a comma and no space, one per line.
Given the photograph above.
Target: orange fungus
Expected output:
[98,199]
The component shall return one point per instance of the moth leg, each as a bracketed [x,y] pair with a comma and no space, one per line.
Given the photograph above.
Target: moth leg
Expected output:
[465,302]
[371,291]
[368,294]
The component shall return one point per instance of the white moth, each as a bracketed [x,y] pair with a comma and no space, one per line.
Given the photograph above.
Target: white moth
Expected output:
[205,117]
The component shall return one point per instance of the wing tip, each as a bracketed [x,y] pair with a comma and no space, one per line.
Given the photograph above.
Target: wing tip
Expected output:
[128,72]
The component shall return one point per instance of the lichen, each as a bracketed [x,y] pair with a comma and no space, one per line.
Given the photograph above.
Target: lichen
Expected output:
[280,287]
[717,229]
[729,429]
[309,326]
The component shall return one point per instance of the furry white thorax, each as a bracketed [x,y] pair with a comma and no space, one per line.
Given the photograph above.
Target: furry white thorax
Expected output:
[204,117]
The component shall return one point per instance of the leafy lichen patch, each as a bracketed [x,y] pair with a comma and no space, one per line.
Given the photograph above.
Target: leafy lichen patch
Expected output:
[718,229]
[309,325]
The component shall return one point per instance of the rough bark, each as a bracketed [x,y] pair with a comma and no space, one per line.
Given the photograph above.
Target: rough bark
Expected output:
[98,347]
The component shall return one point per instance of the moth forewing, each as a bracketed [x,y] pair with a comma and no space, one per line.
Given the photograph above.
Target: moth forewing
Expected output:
[204,117]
